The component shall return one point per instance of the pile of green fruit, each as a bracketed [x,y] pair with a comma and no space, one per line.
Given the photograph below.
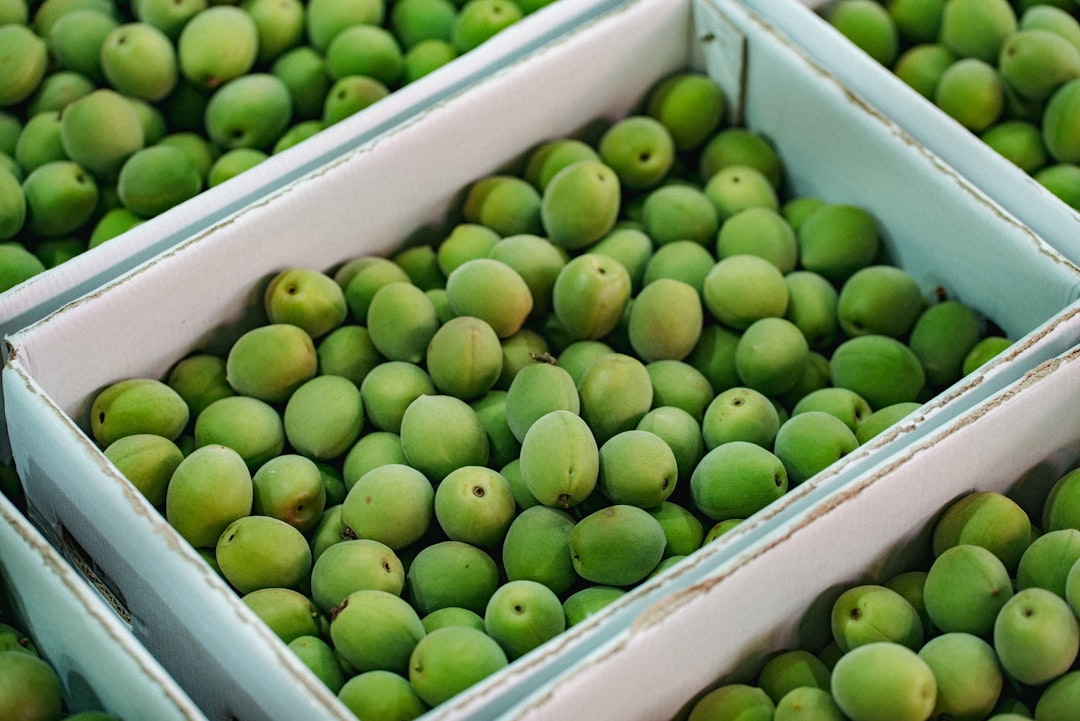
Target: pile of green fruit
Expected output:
[112,112]
[1007,70]
[422,467]
[985,628]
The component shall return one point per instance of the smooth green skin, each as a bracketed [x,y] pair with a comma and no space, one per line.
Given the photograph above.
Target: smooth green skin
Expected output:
[200,151]
[921,66]
[303,70]
[217,45]
[551,156]
[977,28]
[1060,117]
[325,18]
[137,405]
[139,60]
[449,660]
[810,442]
[884,681]
[392,504]
[381,695]
[941,337]
[256,552]
[682,432]
[75,40]
[770,355]
[536,390]
[971,92]
[452,616]
[1036,636]
[289,613]
[679,384]
[61,197]
[17,265]
[451,573]
[690,105]
[589,600]
[389,388]
[523,497]
[792,669]
[580,204]
[26,57]
[371,450]
[880,299]
[1072,587]
[210,489]
[1062,507]
[249,426]
[870,26]
[808,703]
[1035,62]
[440,433]
[492,291]
[618,545]
[989,519]
[640,149]
[734,701]
[522,615]
[464,242]
[1020,142]
[376,630]
[271,361]
[737,479]
[740,146]
[1047,560]
[560,459]
[679,212]
[813,376]
[416,20]
[401,321]
[323,417]
[420,263]
[969,678]
[1060,698]
[665,320]
[507,204]
[738,187]
[965,588]
[637,468]
[537,260]
[812,307]
[148,461]
[503,447]
[114,222]
[871,613]
[632,247]
[576,357]
[169,16]
[917,21]
[741,289]
[157,178]
[740,414]
[329,531]
[590,295]
[479,20]
[910,585]
[759,231]
[982,352]
[883,419]
[320,658]
[845,404]
[1052,18]
[297,133]
[354,565]
[367,50]
[307,298]
[616,392]
[290,488]
[29,688]
[683,530]
[536,547]
[333,483]
[836,239]
[881,369]
[250,111]
[464,357]
[475,505]
[39,142]
[684,260]
[279,24]
[57,90]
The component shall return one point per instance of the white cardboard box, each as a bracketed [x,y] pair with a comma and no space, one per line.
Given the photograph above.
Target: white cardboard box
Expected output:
[202,293]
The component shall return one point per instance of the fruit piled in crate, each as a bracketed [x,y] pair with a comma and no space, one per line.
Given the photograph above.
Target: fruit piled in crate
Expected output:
[422,467]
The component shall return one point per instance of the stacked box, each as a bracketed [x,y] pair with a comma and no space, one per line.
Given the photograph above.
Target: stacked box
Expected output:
[937,225]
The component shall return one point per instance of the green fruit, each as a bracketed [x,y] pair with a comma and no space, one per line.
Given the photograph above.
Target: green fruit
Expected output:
[381,695]
[881,299]
[738,187]
[290,488]
[354,565]
[967,673]
[690,105]
[139,60]
[740,414]
[965,589]
[884,681]
[303,70]
[503,447]
[879,368]
[475,505]
[590,294]
[536,547]
[371,450]
[1035,62]
[441,433]
[325,18]
[735,701]
[389,388]
[39,142]
[321,659]
[323,417]
[478,21]
[917,21]
[17,264]
[640,149]
[737,479]
[740,146]
[977,28]
[75,40]
[870,26]
[451,573]
[30,689]
[279,23]
[25,58]
[464,357]
[883,419]
[580,204]
[156,178]
[791,669]
[58,90]
[581,604]
[449,660]
[271,361]
[1036,636]
[392,504]
[522,615]
[770,355]
[218,44]
[452,616]
[537,260]
[616,393]
[492,291]
[414,21]
[249,426]
[257,551]
[988,519]
[872,613]
[551,156]
[1046,16]
[368,50]
[288,613]
[1047,560]
[1060,698]
[631,247]
[637,468]
[169,16]
[618,545]
[810,442]
[560,459]
[742,289]
[684,260]
[848,406]
[982,352]
[812,307]
[210,489]
[679,212]
[921,66]
[683,530]
[835,240]
[807,702]
[536,390]
[971,92]
[1060,118]
[250,111]
[137,405]
[759,231]
[306,298]
[61,197]
[376,630]
[147,461]
[1020,142]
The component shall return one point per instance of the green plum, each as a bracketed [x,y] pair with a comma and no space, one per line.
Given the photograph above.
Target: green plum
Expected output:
[449,660]
[392,504]
[209,489]
[259,551]
[1036,636]
[618,545]
[376,630]
[451,573]
[521,615]
[737,479]
[884,681]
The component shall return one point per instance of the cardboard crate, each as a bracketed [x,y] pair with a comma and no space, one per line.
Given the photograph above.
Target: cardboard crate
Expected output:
[47,291]
[102,667]
[1015,190]
[203,293]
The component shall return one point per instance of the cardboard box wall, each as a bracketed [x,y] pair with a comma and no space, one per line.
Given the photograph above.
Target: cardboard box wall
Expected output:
[203,292]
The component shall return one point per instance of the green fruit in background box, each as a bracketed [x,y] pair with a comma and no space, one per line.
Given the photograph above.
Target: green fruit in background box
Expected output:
[420,263]
[977,28]
[475,505]
[870,26]
[61,196]
[168,16]
[425,57]
[759,231]
[873,613]
[139,60]
[807,702]
[581,604]
[381,694]
[770,355]
[449,660]
[325,18]
[376,630]
[1034,62]
[988,519]
[502,446]
[740,146]
[883,419]
[637,468]
[217,45]
[1036,636]
[576,357]
[616,393]
[321,659]
[910,585]
[492,291]
[451,573]
[679,212]
[389,388]
[631,247]
[580,204]
[303,70]
[982,352]
[814,376]
[58,90]
[249,426]
[464,357]
[479,20]
[1061,117]
[452,616]
[49,11]
[845,404]
[884,681]
[665,320]
[1019,141]
[290,488]
[306,298]
[917,21]
[971,92]
[812,304]
[942,337]
[714,356]
[738,187]
[39,142]
[362,277]
[690,105]
[965,589]
[156,178]
[199,150]
[522,615]
[551,156]
[921,66]
[371,450]
[148,461]
[14,12]
[12,205]
[289,614]
[1062,507]
[200,380]
[735,701]
[256,552]
[354,565]
[271,361]
[1047,560]
[969,679]
[29,688]
[881,299]
[640,150]
[810,442]
[137,405]
[683,260]
[329,531]
[1060,698]
[538,389]
[464,242]
[879,368]
[367,50]
[590,294]
[835,240]
[416,20]
[25,57]
[537,548]
[618,545]
[210,489]
[737,479]
[792,669]
[537,260]
[111,224]
[683,530]
[1053,18]
[742,289]
[349,95]
[560,459]
[323,417]
[279,24]
[681,431]
[441,433]
[251,111]
[392,504]
[740,414]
